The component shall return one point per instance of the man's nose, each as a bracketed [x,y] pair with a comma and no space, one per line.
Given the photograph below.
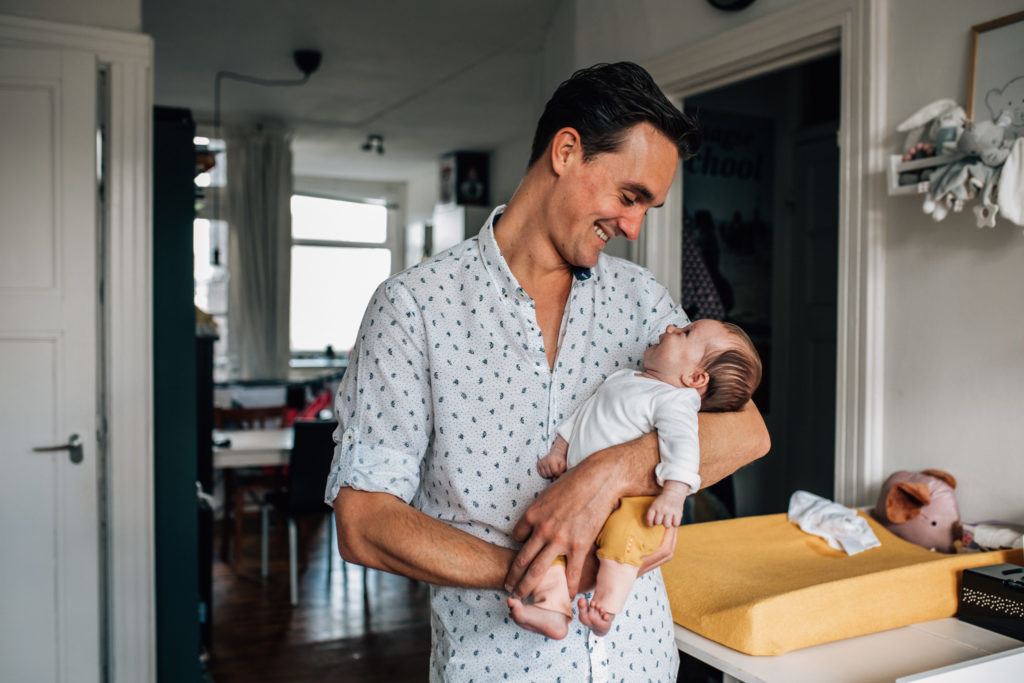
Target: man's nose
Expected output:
[631,224]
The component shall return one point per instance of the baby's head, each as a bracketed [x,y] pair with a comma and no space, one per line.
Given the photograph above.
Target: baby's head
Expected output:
[715,358]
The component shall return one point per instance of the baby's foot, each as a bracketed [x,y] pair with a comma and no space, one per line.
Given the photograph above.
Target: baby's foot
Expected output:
[539,620]
[595,618]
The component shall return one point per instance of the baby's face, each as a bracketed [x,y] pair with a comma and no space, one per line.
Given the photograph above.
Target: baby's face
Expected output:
[679,351]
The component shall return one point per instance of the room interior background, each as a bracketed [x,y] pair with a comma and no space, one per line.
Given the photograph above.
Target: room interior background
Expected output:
[950,324]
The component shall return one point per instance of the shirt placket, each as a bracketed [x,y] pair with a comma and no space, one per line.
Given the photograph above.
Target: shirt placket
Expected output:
[535,348]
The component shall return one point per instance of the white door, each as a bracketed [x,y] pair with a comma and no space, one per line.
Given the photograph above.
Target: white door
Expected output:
[49,522]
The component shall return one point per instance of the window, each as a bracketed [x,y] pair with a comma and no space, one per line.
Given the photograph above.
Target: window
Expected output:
[210,247]
[340,254]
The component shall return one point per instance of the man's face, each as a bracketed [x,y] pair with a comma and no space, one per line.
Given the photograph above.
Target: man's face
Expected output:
[677,356]
[608,195]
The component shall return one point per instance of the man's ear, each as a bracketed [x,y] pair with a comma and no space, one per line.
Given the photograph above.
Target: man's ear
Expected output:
[696,380]
[564,147]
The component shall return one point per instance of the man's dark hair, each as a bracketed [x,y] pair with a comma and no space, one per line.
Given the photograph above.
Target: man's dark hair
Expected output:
[603,102]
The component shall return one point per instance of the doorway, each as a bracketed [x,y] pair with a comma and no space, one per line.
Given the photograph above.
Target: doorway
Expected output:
[760,248]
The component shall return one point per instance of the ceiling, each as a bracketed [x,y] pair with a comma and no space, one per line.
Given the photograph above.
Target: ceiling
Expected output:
[430,77]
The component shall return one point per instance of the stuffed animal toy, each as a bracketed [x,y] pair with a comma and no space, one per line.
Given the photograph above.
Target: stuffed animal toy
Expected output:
[987,146]
[938,124]
[920,507]
[986,140]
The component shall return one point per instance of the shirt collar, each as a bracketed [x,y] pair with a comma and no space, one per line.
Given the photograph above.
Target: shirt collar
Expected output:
[495,262]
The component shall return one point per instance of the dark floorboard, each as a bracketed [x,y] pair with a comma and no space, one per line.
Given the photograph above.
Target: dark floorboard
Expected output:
[334,634]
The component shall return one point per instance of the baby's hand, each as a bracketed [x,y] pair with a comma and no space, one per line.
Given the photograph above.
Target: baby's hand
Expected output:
[551,466]
[667,508]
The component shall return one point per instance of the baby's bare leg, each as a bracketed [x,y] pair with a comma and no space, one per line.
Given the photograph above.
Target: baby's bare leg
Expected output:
[551,611]
[614,582]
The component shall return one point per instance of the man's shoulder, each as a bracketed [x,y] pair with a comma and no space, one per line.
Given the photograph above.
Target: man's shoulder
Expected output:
[444,266]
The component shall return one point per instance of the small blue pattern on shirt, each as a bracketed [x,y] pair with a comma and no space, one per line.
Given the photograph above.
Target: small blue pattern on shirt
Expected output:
[448,402]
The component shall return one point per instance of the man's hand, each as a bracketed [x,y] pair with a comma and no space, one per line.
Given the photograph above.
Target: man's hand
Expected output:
[564,520]
[664,552]
[568,515]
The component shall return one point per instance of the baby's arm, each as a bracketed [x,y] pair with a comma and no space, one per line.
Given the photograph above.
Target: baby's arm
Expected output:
[667,508]
[552,465]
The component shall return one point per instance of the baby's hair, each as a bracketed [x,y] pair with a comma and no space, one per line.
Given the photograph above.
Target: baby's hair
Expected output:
[734,372]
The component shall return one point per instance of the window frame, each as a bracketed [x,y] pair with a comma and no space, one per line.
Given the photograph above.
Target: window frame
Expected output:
[394,242]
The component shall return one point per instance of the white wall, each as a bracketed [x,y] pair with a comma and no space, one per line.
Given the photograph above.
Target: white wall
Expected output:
[636,30]
[954,302]
[955,295]
[125,15]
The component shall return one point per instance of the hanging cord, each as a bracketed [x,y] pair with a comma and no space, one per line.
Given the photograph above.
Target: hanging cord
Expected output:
[307,61]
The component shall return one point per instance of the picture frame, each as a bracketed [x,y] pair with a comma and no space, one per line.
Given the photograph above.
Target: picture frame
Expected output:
[996,68]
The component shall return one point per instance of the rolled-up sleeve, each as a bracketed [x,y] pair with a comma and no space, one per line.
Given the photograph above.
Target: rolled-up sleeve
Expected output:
[383,403]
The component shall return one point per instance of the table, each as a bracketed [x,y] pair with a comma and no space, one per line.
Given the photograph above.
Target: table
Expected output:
[252,448]
[248,448]
[883,656]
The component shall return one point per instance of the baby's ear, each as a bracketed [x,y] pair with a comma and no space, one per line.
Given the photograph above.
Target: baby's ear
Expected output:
[696,380]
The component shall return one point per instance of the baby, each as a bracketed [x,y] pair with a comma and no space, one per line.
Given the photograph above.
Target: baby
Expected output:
[707,365]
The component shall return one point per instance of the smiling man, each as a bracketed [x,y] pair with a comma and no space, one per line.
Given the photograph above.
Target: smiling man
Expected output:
[466,364]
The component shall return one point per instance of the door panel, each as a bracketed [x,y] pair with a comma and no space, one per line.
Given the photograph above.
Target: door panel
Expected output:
[49,523]
[812,349]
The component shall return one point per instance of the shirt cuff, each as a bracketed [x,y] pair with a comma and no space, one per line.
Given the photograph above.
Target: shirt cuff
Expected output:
[665,472]
[367,467]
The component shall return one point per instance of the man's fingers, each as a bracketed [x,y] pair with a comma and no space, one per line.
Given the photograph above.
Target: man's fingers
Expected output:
[521,563]
[534,572]
[664,552]
[573,572]
[523,528]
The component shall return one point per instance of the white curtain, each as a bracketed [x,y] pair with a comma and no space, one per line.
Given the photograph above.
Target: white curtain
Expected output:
[259,190]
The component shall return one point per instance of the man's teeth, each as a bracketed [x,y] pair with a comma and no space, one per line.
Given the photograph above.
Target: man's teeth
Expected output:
[601,233]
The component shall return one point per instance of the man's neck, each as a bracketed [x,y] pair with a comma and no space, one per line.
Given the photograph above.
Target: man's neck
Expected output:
[524,237]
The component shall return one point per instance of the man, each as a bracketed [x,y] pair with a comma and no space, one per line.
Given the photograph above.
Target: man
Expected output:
[465,365]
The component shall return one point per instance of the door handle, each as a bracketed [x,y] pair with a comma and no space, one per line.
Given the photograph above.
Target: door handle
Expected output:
[73,447]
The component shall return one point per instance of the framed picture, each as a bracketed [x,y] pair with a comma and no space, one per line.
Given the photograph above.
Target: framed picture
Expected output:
[995,77]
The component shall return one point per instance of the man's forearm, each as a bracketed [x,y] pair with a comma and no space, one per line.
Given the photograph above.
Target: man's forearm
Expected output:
[381,531]
[728,441]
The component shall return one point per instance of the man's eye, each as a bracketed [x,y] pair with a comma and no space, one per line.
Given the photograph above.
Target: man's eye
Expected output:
[628,201]
[686,333]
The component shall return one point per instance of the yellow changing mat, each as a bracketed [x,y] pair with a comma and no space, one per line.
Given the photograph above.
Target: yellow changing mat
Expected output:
[762,586]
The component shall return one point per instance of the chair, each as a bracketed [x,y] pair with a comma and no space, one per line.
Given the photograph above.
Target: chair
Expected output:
[303,496]
[240,487]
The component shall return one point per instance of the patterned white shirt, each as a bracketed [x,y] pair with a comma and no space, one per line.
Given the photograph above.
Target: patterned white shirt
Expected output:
[448,402]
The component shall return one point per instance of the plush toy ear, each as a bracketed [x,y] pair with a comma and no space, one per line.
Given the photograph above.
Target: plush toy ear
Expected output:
[905,501]
[944,476]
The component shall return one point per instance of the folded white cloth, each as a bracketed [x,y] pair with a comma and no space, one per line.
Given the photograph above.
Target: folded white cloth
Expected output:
[842,527]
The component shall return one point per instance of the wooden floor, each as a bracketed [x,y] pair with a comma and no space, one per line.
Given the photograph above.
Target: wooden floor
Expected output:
[333,634]
[337,633]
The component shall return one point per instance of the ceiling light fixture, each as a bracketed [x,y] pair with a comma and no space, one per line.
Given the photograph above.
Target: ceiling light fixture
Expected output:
[374,143]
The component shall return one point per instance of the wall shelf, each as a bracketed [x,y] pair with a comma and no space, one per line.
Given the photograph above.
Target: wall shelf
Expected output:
[898,166]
